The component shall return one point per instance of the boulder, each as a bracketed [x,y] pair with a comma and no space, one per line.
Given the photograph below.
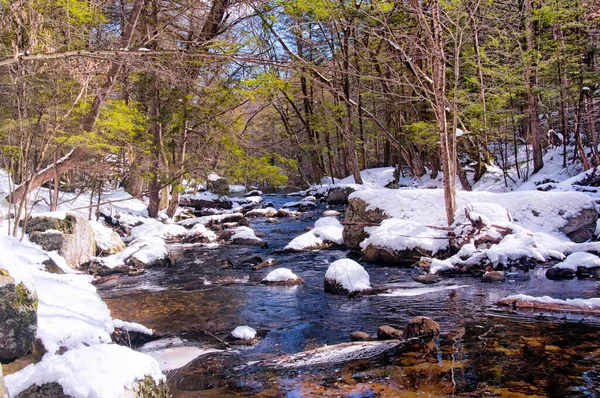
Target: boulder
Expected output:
[72,236]
[359,336]
[493,276]
[382,255]
[560,273]
[356,219]
[581,227]
[422,327]
[18,318]
[218,185]
[387,332]
[140,389]
[339,195]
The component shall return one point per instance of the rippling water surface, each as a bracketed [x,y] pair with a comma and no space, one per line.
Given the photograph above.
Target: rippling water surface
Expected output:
[484,350]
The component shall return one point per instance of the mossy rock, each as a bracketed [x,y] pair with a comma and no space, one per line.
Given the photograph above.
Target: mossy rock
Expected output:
[42,224]
[72,237]
[18,319]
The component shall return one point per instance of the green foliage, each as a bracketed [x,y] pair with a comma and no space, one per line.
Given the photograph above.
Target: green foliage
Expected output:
[256,169]
[423,133]
[119,124]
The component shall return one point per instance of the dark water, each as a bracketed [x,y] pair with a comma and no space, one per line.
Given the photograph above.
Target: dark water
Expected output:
[484,350]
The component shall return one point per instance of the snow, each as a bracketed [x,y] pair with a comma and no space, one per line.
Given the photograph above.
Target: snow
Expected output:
[244,233]
[213,176]
[206,196]
[326,230]
[576,260]
[349,274]
[173,353]
[398,234]
[577,302]
[244,333]
[206,220]
[378,177]
[132,327]
[98,371]
[420,291]
[534,210]
[534,217]
[280,275]
[102,235]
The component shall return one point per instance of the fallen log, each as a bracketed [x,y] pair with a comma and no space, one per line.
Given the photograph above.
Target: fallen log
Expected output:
[548,304]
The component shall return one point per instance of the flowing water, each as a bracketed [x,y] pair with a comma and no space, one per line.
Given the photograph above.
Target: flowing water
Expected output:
[483,350]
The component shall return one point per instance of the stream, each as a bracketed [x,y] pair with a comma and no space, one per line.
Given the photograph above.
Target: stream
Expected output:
[483,350]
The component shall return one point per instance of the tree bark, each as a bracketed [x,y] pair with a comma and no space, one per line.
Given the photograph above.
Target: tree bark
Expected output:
[531,81]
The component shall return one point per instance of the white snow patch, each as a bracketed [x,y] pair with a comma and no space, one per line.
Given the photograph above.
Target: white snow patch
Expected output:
[132,327]
[280,275]
[244,333]
[576,260]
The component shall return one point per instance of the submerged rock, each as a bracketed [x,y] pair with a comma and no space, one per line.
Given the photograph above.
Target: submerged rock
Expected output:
[18,318]
[493,276]
[422,327]
[427,279]
[72,236]
[387,332]
[360,336]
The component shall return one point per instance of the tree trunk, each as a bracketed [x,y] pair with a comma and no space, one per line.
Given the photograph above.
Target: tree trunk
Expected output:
[531,81]
[438,71]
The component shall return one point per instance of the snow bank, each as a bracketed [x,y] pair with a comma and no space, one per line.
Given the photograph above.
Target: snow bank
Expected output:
[534,210]
[349,274]
[326,230]
[99,371]
[70,313]
[244,333]
[280,275]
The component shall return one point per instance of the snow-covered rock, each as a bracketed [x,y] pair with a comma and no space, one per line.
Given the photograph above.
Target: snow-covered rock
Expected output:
[242,236]
[244,333]
[105,370]
[107,240]
[282,276]
[327,231]
[346,276]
